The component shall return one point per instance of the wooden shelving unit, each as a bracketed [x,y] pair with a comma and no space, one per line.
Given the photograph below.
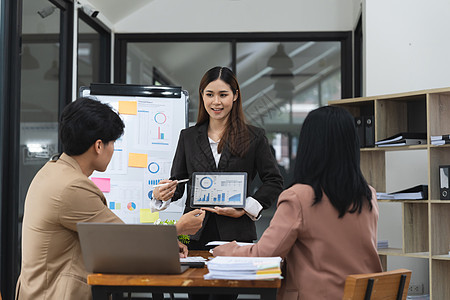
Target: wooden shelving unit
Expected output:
[426,223]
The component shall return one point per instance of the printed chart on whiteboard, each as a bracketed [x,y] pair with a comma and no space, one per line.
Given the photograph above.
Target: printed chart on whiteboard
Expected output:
[143,155]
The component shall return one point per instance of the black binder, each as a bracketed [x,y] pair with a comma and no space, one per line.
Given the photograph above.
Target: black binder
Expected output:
[416,192]
[369,131]
[359,124]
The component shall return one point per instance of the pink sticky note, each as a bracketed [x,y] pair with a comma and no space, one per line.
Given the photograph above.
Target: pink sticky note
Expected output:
[104,184]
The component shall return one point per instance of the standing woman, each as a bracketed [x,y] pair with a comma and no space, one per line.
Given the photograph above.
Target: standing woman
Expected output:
[221,141]
[325,225]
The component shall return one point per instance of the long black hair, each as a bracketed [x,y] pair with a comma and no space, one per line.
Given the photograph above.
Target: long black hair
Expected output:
[328,159]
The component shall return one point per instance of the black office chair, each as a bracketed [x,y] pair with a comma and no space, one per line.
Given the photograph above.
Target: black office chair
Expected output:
[376,286]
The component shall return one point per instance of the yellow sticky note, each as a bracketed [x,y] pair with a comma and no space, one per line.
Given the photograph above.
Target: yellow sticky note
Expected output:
[128,107]
[137,160]
[147,216]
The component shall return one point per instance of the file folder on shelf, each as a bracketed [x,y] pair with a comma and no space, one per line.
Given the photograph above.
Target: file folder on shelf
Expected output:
[403,139]
[369,132]
[360,128]
[418,192]
[404,142]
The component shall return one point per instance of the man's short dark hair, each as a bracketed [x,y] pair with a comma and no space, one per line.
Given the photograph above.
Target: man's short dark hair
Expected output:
[86,120]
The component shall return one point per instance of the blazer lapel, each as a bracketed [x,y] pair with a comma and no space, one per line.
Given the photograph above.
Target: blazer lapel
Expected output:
[224,158]
[203,142]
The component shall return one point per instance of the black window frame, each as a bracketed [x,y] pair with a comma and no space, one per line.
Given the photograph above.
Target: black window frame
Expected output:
[358,58]
[344,37]
[9,116]
[104,64]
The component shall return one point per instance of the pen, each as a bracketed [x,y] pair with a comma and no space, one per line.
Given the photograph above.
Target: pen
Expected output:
[179,181]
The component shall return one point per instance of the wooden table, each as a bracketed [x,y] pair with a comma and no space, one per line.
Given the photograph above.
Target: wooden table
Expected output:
[191,281]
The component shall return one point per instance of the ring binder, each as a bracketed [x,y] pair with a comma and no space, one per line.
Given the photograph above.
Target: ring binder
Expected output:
[360,131]
[369,131]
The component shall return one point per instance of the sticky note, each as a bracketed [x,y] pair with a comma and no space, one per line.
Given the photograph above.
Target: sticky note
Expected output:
[147,216]
[137,160]
[128,107]
[104,184]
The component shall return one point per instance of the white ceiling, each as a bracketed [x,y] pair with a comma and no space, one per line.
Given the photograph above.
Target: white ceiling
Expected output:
[116,10]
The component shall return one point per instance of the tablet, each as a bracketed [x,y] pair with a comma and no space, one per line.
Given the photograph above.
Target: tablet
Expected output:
[227,189]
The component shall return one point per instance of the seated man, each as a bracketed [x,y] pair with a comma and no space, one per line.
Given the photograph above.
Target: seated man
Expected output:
[61,195]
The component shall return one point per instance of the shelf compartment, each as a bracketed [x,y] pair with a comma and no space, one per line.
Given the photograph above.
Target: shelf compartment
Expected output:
[402,114]
[440,272]
[438,112]
[415,227]
[364,107]
[373,168]
[440,229]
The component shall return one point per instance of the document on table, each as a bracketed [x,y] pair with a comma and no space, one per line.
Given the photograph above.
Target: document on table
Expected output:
[192,259]
[218,243]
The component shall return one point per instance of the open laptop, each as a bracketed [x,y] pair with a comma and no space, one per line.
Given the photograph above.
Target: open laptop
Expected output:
[130,248]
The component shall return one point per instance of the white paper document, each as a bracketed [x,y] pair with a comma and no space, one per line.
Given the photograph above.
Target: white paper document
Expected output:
[192,259]
[218,243]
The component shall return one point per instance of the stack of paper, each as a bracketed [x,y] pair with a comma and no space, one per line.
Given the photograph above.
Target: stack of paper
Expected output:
[382,244]
[439,140]
[244,268]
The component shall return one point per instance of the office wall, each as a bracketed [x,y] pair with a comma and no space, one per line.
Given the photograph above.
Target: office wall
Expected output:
[406,49]
[406,45]
[239,16]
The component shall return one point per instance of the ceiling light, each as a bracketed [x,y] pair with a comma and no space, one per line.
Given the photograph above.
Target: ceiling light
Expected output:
[46,11]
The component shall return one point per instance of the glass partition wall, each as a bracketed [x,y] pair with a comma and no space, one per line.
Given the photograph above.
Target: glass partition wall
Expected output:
[94,51]
[282,76]
[281,82]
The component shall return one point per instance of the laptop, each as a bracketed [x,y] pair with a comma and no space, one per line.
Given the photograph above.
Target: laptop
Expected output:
[130,248]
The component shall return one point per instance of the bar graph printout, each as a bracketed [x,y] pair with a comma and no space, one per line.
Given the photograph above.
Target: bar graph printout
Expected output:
[219,189]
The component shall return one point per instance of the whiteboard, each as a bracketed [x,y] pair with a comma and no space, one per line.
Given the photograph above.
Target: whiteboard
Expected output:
[153,118]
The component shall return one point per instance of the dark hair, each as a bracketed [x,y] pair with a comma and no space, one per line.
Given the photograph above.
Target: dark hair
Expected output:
[328,159]
[84,121]
[236,137]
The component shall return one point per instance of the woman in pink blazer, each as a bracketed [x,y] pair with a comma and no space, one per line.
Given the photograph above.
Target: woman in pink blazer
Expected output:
[325,225]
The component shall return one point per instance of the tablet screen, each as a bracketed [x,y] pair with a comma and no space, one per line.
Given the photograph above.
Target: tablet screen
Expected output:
[219,189]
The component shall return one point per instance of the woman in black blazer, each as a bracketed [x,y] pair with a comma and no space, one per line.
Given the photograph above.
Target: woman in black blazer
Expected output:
[221,141]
